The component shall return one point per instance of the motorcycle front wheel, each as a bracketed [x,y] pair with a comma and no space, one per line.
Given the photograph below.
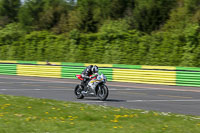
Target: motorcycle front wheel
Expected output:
[102,92]
[77,91]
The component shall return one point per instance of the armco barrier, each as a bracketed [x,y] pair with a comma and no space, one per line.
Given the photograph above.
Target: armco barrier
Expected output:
[44,63]
[70,72]
[167,75]
[7,61]
[8,69]
[27,62]
[71,64]
[158,67]
[145,76]
[99,65]
[108,72]
[188,76]
[39,70]
[127,66]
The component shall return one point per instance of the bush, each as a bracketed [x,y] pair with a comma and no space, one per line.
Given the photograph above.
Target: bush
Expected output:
[11,33]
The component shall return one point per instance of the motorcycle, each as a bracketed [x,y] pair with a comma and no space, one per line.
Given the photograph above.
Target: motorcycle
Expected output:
[95,88]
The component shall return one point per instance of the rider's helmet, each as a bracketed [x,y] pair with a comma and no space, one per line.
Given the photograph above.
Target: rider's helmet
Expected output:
[95,69]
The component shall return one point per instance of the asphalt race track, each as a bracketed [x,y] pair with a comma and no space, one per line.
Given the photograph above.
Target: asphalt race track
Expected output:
[175,99]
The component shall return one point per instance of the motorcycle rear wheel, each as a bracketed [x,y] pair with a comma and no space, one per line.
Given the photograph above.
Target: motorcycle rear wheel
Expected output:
[102,92]
[77,91]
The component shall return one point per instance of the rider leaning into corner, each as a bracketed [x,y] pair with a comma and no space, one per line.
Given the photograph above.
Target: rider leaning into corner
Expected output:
[86,74]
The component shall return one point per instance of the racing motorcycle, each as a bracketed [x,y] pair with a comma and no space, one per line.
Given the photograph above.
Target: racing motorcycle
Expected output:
[95,88]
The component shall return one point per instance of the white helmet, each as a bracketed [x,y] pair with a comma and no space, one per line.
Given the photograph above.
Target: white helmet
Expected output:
[95,69]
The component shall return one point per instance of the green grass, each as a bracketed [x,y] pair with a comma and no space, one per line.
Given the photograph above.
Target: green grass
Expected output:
[32,115]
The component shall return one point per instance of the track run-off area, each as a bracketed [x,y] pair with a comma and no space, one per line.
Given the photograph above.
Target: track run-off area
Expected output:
[174,99]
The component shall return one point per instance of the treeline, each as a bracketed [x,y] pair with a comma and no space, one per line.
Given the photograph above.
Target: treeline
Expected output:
[140,32]
[87,16]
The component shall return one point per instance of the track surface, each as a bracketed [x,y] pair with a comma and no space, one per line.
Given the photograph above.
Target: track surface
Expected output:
[175,99]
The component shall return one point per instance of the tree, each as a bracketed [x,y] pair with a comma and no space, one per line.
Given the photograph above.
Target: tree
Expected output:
[150,15]
[11,33]
[53,13]
[8,11]
[192,5]
[29,13]
[86,14]
[44,14]
[191,49]
[118,8]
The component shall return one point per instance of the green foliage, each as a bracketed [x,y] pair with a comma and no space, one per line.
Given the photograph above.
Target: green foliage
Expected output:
[11,33]
[54,11]
[86,14]
[93,13]
[110,26]
[29,13]
[8,11]
[138,32]
[178,20]
[118,8]
[117,47]
[149,15]
[192,5]
[42,46]
[45,14]
[191,49]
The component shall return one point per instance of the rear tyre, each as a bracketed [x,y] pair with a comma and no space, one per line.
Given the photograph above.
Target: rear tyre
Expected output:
[77,91]
[102,92]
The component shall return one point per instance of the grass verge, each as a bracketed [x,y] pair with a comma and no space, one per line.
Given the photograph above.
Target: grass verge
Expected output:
[32,115]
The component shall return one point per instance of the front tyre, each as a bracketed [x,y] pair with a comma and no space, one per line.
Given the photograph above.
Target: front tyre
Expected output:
[77,91]
[102,92]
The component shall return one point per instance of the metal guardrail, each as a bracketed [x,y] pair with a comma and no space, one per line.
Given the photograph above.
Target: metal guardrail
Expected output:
[8,69]
[181,76]
[39,70]
[145,76]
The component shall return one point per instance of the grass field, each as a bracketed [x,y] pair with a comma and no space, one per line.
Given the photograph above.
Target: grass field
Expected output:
[31,115]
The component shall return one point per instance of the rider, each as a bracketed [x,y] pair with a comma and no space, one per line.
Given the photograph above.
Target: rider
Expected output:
[86,74]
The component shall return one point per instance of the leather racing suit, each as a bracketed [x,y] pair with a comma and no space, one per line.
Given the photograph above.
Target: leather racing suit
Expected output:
[87,72]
